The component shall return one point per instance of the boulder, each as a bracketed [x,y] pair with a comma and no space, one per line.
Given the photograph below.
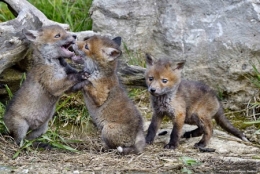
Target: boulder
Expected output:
[218,39]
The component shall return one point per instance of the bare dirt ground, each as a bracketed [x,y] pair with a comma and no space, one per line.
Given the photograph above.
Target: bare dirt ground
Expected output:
[231,156]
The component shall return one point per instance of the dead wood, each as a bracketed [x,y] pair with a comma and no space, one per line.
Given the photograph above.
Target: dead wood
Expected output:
[131,75]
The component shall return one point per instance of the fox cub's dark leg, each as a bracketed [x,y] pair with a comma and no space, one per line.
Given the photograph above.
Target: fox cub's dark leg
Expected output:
[82,75]
[176,131]
[207,132]
[204,127]
[68,68]
[196,132]
[20,132]
[79,86]
[174,138]
[73,73]
[38,132]
[154,125]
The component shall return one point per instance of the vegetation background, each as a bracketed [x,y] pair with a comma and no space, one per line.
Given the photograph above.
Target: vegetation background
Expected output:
[72,12]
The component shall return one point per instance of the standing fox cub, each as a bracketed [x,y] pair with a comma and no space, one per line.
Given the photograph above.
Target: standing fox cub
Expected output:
[184,102]
[34,103]
[113,112]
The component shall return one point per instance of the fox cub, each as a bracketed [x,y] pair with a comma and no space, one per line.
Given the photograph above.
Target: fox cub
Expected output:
[113,112]
[184,102]
[34,103]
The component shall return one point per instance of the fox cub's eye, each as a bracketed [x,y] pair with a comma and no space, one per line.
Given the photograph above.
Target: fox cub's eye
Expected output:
[150,78]
[86,46]
[57,35]
[164,80]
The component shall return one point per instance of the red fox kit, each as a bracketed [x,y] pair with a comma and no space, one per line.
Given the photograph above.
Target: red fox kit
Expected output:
[113,112]
[34,103]
[184,102]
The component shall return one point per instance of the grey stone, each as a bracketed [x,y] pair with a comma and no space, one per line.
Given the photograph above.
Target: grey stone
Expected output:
[218,39]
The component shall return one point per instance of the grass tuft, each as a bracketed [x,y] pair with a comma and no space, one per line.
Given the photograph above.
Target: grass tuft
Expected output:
[187,161]
[71,109]
[253,107]
[72,12]
[255,77]
[3,128]
[5,13]
[134,57]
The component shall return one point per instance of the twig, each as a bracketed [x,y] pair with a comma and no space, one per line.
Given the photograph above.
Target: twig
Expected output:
[248,107]
[233,112]
[254,110]
[255,115]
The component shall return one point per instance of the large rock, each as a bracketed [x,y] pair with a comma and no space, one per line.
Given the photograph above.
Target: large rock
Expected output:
[218,39]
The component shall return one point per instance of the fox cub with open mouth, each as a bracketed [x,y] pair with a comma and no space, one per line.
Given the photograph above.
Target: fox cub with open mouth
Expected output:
[113,112]
[33,105]
[184,102]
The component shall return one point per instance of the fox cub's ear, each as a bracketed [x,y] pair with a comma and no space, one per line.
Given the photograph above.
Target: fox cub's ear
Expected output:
[117,40]
[149,59]
[179,65]
[30,34]
[111,53]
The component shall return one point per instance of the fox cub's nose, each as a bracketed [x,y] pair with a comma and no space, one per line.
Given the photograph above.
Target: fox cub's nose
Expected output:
[152,90]
[74,36]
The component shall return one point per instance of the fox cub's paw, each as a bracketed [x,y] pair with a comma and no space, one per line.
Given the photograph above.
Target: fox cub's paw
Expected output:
[84,75]
[202,148]
[170,146]
[148,141]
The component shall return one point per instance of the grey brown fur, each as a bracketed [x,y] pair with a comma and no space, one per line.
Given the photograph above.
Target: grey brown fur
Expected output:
[183,101]
[111,109]
[34,103]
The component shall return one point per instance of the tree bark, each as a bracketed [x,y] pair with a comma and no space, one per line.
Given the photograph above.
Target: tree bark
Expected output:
[131,75]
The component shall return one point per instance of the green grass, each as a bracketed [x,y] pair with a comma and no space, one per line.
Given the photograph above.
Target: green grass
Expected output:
[51,138]
[72,12]
[3,129]
[5,13]
[254,107]
[134,57]
[187,161]
[71,109]
[255,77]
